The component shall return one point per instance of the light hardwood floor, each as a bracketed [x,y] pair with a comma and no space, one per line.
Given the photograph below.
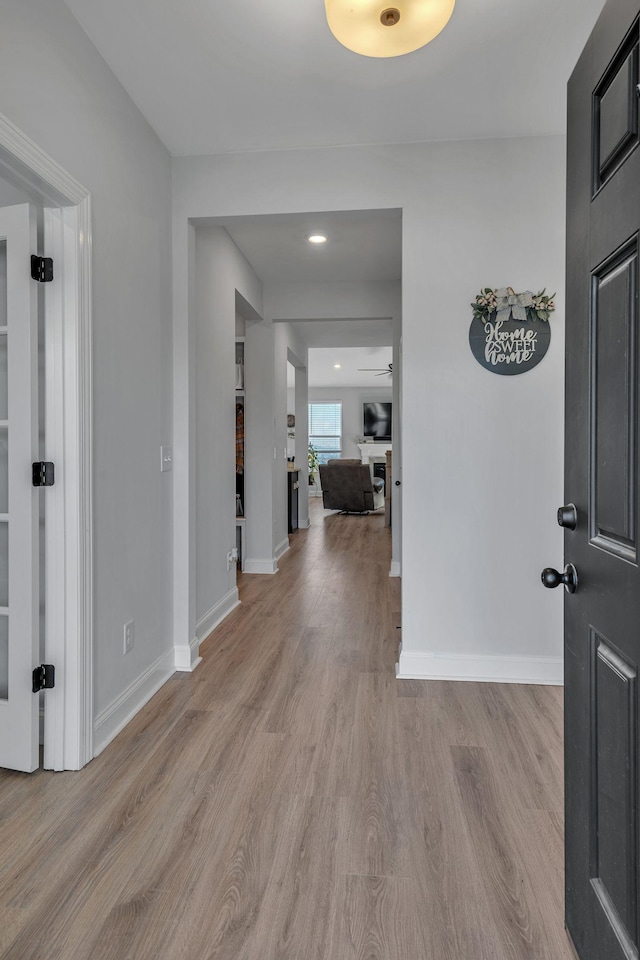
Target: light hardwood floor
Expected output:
[290,800]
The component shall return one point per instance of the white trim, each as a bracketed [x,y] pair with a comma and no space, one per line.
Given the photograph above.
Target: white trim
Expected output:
[487,669]
[84,418]
[117,715]
[260,566]
[69,718]
[184,416]
[35,169]
[186,656]
[69,713]
[394,570]
[219,611]
[282,547]
[55,553]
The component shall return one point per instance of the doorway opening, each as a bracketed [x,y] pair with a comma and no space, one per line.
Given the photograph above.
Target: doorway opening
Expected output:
[61,586]
[259,288]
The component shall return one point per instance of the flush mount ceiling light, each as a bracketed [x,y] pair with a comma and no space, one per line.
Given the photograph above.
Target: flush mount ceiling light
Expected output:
[317,238]
[336,366]
[373,29]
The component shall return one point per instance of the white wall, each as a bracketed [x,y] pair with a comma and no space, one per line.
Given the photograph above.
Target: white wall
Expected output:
[221,270]
[352,399]
[288,346]
[10,194]
[55,87]
[482,454]
[347,300]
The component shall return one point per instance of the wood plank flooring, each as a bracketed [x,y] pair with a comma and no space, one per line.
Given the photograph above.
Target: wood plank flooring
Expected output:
[290,800]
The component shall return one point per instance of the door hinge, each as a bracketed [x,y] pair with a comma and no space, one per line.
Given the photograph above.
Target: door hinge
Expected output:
[44,677]
[41,269]
[42,473]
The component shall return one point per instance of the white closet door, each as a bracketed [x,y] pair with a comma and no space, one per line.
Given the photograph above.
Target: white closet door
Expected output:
[19,624]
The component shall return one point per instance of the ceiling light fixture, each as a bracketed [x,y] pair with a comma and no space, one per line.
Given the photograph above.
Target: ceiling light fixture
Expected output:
[370,28]
[337,366]
[317,238]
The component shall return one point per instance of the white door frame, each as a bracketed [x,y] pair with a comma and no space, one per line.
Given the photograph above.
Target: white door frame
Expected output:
[69,516]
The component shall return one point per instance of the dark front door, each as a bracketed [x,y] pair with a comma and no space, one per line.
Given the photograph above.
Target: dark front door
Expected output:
[602,617]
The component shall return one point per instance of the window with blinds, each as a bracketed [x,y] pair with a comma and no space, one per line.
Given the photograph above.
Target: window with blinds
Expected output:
[325,429]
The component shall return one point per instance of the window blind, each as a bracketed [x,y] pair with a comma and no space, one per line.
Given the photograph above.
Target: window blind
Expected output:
[325,429]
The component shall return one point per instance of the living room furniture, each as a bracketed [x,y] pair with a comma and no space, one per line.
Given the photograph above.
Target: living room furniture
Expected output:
[348,486]
[373,452]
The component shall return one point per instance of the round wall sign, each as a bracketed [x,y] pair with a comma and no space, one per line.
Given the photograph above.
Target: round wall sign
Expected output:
[509,346]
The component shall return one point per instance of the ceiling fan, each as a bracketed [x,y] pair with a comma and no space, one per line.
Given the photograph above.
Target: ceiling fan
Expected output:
[379,371]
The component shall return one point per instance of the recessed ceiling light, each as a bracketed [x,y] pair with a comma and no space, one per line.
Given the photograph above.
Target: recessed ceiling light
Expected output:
[317,238]
[336,366]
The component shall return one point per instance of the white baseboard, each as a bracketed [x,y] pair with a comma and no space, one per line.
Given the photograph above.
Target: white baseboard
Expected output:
[394,570]
[487,669]
[217,614]
[260,566]
[281,548]
[186,656]
[117,715]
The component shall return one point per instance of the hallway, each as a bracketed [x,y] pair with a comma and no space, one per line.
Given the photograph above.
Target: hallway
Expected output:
[290,800]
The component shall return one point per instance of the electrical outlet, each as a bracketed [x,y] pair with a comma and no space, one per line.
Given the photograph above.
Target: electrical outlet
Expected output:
[128,636]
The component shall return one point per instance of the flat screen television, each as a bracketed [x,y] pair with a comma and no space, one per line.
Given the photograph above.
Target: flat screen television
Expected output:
[377,421]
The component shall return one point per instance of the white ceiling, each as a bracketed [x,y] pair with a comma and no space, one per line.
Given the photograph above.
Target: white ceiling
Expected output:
[322,372]
[361,245]
[214,77]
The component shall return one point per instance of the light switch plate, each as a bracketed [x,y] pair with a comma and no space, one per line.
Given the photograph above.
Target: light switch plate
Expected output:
[166,459]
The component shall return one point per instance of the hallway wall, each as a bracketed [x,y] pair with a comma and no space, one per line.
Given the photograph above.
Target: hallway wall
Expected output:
[287,342]
[482,461]
[57,89]
[221,270]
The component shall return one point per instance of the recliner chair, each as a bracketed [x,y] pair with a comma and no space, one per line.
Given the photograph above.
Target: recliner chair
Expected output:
[348,486]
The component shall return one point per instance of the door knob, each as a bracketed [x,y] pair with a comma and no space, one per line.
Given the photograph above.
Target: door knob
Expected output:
[553,578]
[568,516]
[398,482]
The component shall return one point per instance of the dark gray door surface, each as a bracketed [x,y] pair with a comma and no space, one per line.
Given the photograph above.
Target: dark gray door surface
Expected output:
[602,618]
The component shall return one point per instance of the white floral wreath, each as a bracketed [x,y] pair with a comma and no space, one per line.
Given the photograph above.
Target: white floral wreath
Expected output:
[506,303]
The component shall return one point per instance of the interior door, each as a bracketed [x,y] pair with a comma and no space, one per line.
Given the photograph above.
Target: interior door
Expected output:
[19,707]
[602,616]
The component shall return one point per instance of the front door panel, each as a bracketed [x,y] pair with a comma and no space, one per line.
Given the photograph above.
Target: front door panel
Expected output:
[614,824]
[602,619]
[614,387]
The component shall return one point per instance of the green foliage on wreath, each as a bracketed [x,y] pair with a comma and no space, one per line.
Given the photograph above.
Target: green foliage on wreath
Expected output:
[520,306]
